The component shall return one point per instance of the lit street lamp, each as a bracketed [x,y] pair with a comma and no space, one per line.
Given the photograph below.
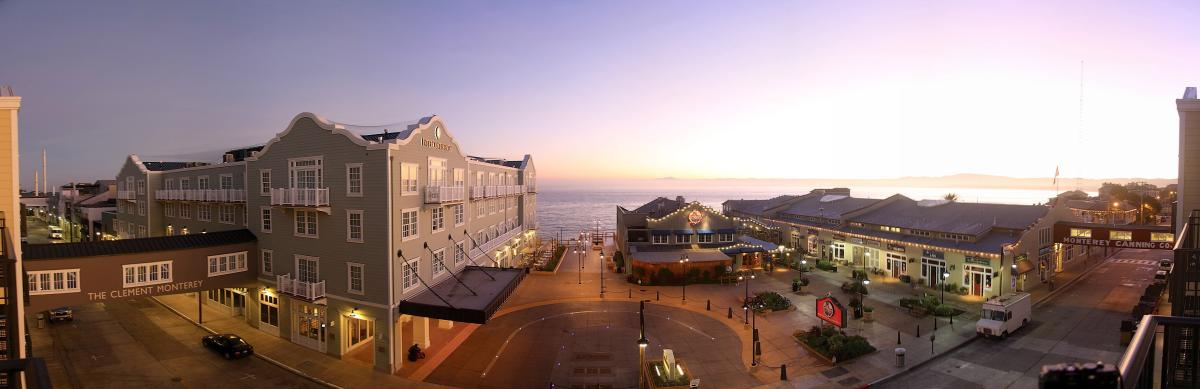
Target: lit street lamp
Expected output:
[945,275]
[602,265]
[746,300]
[642,342]
[684,260]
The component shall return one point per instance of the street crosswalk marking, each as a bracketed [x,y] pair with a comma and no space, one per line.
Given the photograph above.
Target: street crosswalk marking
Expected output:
[1144,262]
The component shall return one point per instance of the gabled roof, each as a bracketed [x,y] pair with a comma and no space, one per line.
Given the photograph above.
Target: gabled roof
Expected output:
[128,246]
[826,206]
[758,207]
[660,207]
[1098,205]
[952,217]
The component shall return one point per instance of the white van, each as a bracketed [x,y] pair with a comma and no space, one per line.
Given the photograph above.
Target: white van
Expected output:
[1004,315]
[56,232]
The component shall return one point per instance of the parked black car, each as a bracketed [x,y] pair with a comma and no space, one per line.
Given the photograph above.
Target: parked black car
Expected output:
[61,314]
[228,345]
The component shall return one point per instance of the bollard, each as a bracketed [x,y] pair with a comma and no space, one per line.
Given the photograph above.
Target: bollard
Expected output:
[730,312]
[755,335]
[758,348]
[708,305]
[656,296]
[630,292]
[783,372]
[897,337]
[934,323]
[918,330]
[931,338]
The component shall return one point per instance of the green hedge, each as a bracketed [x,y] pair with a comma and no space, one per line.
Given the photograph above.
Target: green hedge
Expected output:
[826,265]
[832,342]
[769,301]
[553,262]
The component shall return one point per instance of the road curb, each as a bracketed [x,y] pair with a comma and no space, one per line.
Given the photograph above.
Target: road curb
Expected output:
[270,360]
[1039,302]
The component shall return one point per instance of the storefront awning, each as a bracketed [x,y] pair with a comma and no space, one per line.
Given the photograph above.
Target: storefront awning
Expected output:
[1023,266]
[704,231]
[660,232]
[474,300]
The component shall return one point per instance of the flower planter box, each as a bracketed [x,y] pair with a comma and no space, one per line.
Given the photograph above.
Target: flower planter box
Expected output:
[827,359]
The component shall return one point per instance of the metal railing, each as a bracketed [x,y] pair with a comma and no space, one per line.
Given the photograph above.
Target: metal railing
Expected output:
[491,190]
[211,195]
[443,194]
[126,195]
[477,192]
[306,290]
[300,197]
[493,243]
[1146,365]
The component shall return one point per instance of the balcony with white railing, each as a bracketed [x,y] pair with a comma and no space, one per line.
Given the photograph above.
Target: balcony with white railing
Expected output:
[306,290]
[492,190]
[126,195]
[209,195]
[300,197]
[444,194]
[490,245]
[477,192]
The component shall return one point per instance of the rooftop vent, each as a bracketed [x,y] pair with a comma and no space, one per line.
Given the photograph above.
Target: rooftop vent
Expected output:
[832,198]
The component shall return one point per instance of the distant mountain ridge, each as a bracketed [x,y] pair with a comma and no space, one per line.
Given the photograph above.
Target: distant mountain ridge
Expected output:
[962,180]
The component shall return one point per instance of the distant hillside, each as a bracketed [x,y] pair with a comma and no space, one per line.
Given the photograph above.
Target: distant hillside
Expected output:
[952,181]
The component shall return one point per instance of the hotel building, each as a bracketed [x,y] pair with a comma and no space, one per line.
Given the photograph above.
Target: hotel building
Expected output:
[13,343]
[362,239]
[928,242]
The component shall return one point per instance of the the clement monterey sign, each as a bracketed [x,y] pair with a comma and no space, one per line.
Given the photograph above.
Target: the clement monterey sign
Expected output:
[831,311]
[1115,236]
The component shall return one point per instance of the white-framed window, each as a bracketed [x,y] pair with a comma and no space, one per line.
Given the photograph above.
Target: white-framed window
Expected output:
[141,231]
[307,268]
[409,280]
[169,209]
[839,250]
[437,172]
[354,277]
[437,219]
[185,183]
[142,274]
[306,224]
[129,183]
[225,214]
[354,225]
[141,207]
[409,174]
[439,263]
[264,182]
[492,206]
[408,224]
[53,281]
[460,178]
[659,239]
[305,172]
[354,179]
[459,215]
[170,183]
[480,208]
[460,256]
[1120,235]
[185,211]
[203,212]
[723,238]
[202,182]
[268,261]
[265,219]
[141,187]
[683,238]
[225,181]
[705,238]
[226,263]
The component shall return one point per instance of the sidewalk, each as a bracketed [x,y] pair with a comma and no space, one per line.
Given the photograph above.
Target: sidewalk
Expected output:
[324,369]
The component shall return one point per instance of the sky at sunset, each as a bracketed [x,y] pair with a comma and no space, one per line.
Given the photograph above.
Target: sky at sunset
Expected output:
[620,89]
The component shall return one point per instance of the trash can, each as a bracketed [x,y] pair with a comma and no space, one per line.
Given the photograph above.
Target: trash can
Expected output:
[900,357]
[41,320]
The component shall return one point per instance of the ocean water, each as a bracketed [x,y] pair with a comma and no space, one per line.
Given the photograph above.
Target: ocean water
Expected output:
[573,210]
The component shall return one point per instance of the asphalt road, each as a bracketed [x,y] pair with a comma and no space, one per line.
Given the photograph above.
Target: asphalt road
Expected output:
[140,344]
[1080,324]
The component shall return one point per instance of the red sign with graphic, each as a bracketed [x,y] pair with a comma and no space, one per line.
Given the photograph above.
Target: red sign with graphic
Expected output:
[831,311]
[695,217]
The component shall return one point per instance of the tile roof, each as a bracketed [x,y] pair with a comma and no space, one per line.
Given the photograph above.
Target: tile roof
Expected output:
[952,217]
[130,246]
[757,207]
[991,242]
[1098,205]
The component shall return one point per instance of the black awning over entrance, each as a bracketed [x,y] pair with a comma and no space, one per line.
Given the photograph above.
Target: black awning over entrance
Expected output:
[451,300]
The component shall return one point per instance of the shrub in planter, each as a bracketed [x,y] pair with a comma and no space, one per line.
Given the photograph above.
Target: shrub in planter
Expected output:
[950,287]
[833,343]
[943,310]
[618,260]
[665,275]
[772,301]
[962,291]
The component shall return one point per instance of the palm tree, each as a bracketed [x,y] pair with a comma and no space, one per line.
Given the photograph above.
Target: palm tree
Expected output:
[950,197]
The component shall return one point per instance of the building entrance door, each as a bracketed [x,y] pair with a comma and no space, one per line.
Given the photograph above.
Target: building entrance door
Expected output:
[310,327]
[897,264]
[976,284]
[977,279]
[932,270]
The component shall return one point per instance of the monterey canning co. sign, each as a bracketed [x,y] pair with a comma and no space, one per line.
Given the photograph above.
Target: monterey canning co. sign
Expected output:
[1116,236]
[831,311]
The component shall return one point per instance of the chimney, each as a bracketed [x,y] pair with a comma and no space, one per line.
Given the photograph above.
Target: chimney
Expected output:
[679,199]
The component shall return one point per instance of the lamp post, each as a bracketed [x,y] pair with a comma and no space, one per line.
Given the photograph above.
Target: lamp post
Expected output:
[602,266]
[642,342]
[684,260]
[942,285]
[746,299]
